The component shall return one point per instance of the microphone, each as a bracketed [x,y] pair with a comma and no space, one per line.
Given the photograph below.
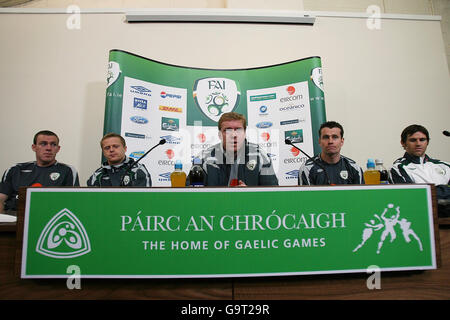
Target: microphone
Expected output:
[130,166]
[446,133]
[289,142]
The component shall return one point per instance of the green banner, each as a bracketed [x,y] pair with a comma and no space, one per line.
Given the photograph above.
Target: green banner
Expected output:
[219,232]
[147,101]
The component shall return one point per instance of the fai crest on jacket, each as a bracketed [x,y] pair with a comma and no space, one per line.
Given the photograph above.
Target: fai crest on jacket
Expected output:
[215,96]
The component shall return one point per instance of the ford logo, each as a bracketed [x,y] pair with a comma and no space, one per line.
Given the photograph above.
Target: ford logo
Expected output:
[139,120]
[264,124]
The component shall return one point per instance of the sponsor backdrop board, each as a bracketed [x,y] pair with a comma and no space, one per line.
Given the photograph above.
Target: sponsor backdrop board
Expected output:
[233,233]
[148,100]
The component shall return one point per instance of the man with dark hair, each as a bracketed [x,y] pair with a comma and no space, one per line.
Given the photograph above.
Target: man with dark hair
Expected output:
[118,169]
[412,129]
[45,171]
[235,161]
[416,166]
[330,167]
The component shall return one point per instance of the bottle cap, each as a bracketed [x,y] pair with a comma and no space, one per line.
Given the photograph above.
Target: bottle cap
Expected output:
[197,161]
[370,163]
[178,164]
[378,161]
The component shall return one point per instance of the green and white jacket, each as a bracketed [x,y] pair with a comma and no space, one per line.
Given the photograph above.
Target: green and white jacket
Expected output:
[412,169]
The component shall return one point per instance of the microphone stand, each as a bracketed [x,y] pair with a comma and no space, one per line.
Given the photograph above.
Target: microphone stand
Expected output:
[130,166]
[289,142]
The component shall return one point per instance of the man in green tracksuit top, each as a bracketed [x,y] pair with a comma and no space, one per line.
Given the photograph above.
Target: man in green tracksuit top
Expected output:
[235,161]
[118,169]
[330,166]
[416,166]
[44,172]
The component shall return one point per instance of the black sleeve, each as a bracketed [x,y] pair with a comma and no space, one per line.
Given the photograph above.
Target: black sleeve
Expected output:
[6,186]
[89,182]
[302,179]
[143,178]
[268,180]
[399,175]
[443,192]
[302,176]
[70,179]
[361,172]
[77,181]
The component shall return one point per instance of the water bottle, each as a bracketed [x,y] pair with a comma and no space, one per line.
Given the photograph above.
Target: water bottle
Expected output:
[371,176]
[178,177]
[197,174]
[384,175]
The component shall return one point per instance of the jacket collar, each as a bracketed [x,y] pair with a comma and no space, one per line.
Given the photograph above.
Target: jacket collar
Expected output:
[416,159]
[241,153]
[127,161]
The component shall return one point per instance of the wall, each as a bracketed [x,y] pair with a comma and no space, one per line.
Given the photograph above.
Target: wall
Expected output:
[427,7]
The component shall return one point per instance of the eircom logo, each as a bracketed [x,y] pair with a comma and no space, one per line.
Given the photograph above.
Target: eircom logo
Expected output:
[64,236]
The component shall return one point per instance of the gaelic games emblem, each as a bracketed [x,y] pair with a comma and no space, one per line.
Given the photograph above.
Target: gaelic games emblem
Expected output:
[64,236]
[389,224]
[215,96]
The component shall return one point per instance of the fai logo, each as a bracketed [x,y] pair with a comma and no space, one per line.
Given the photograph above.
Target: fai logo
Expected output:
[388,225]
[251,164]
[113,73]
[63,237]
[215,96]
[54,176]
[316,77]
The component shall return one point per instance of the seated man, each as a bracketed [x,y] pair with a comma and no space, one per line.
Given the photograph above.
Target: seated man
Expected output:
[118,169]
[417,167]
[45,171]
[330,167]
[235,161]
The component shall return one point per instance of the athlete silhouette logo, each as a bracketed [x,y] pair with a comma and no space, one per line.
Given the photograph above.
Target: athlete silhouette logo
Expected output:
[405,226]
[388,221]
[367,232]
